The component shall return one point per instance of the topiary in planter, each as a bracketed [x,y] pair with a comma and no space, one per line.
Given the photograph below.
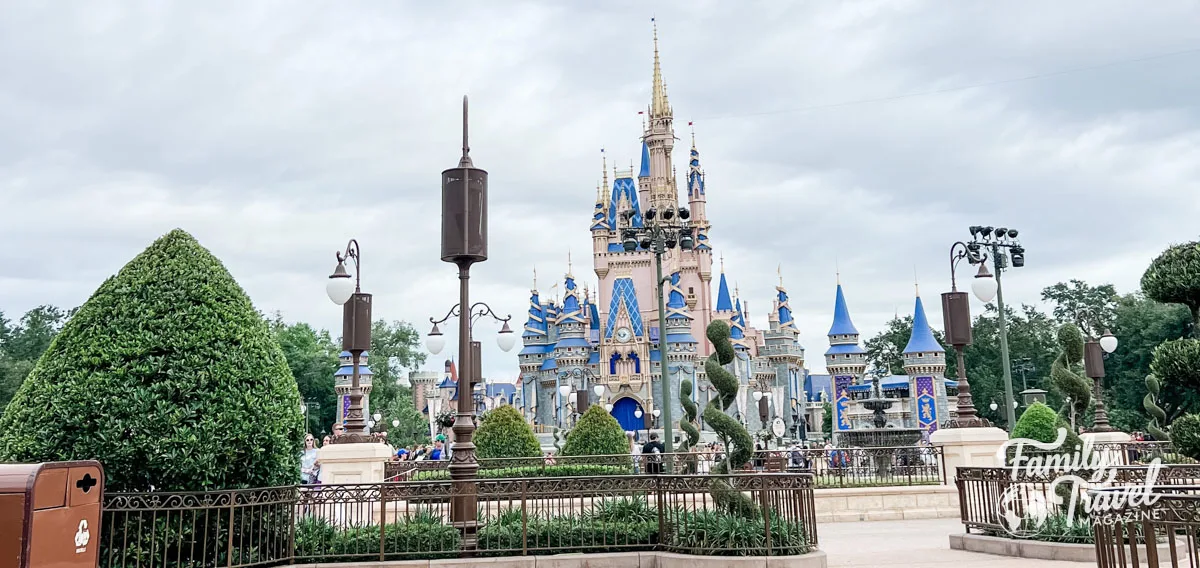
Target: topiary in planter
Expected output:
[1040,422]
[503,433]
[169,377]
[596,434]
[1064,371]
[1185,435]
[738,445]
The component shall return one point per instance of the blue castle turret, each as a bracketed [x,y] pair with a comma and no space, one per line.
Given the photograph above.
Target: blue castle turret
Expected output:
[845,360]
[342,379]
[925,364]
[785,358]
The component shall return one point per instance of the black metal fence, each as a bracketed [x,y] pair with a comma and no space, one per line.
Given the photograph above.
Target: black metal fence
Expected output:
[410,520]
[986,493]
[1159,531]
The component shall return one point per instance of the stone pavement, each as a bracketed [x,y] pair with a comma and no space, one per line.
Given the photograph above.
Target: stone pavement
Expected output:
[912,544]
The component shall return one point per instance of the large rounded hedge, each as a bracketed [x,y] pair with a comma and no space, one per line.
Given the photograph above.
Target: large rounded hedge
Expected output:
[503,433]
[169,377]
[596,434]
[1174,277]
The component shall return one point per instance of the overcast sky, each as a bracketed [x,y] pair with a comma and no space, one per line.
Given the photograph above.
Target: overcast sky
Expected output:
[862,134]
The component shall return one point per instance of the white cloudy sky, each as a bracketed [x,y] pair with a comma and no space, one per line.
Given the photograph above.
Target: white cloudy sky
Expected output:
[274,131]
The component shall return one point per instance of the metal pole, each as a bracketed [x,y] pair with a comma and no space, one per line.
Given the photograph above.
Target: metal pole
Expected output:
[1009,411]
[668,431]
[463,467]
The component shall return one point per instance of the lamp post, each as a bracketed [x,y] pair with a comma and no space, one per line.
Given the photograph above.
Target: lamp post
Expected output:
[356,335]
[1002,244]
[464,242]
[664,230]
[1094,352]
[583,395]
[956,315]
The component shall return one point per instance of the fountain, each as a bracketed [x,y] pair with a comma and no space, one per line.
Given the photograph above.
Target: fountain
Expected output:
[881,436]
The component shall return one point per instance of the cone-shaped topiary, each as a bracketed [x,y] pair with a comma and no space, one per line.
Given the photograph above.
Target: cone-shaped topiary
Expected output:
[1158,417]
[1063,370]
[503,433]
[689,416]
[738,444]
[169,377]
[596,434]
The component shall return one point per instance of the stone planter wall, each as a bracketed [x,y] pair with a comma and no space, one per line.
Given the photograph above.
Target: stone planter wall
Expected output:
[886,503]
[1041,550]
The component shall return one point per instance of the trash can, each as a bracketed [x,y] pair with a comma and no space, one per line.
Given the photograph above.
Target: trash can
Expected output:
[50,514]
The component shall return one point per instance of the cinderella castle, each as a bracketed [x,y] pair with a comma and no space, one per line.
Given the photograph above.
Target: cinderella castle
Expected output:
[608,347]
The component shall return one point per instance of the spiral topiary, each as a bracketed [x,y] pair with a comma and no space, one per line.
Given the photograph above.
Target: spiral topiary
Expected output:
[738,444]
[1062,371]
[1158,417]
[688,424]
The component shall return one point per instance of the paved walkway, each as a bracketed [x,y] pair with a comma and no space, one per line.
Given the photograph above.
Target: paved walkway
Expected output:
[912,544]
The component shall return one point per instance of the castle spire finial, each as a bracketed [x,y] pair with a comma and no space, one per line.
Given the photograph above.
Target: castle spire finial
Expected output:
[569,274]
[837,268]
[916,282]
[779,271]
[692,125]
[722,263]
[535,278]
[658,100]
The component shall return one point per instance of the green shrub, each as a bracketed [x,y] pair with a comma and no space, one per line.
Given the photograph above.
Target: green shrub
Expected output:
[420,537]
[714,533]
[596,434]
[169,377]
[1185,435]
[503,433]
[1177,362]
[1174,277]
[1040,422]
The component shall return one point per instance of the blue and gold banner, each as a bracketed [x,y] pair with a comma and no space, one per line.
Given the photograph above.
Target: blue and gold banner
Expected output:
[927,418]
[841,402]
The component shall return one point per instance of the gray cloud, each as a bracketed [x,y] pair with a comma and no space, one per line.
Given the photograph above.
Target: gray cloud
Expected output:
[274,132]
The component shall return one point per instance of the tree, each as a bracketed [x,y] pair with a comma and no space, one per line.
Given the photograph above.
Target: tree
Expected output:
[886,349]
[22,344]
[395,346]
[1175,364]
[312,357]
[596,434]
[1031,335]
[169,377]
[1141,325]
[1174,278]
[413,428]
[1091,308]
[503,433]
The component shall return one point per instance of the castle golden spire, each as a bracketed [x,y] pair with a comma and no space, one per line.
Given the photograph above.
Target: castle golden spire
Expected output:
[659,106]
[604,172]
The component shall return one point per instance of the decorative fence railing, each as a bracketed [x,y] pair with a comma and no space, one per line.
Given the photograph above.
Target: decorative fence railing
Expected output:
[1160,531]
[860,467]
[836,467]
[1133,453]
[411,520]
[985,494]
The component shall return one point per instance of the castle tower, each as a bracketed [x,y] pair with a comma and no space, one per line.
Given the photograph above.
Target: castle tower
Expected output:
[845,361]
[659,139]
[925,365]
[697,199]
[600,226]
[572,348]
[538,351]
[681,353]
[342,379]
[785,354]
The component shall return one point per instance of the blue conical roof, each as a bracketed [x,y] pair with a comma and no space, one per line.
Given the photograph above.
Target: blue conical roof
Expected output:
[535,326]
[645,170]
[922,340]
[724,302]
[841,316]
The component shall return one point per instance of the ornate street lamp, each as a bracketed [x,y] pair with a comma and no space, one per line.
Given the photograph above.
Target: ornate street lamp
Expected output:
[956,316]
[356,335]
[664,230]
[1094,352]
[464,242]
[1001,246]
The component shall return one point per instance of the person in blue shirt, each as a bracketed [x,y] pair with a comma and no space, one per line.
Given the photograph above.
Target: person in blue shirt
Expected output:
[437,452]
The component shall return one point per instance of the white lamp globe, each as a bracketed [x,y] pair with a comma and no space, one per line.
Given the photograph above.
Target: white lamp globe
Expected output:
[993,406]
[638,413]
[608,407]
[506,339]
[1108,342]
[339,288]
[435,343]
[377,416]
[395,423]
[598,389]
[758,396]
[657,412]
[564,390]
[985,285]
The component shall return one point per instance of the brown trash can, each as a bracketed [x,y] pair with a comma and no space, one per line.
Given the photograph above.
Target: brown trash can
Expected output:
[50,514]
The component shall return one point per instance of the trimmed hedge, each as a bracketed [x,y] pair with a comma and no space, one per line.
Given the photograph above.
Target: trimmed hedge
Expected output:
[582,470]
[1040,422]
[421,537]
[169,377]
[1185,435]
[503,433]
[596,434]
